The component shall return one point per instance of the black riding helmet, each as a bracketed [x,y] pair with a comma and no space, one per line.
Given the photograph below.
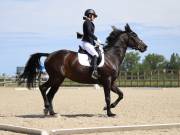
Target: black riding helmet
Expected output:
[90,11]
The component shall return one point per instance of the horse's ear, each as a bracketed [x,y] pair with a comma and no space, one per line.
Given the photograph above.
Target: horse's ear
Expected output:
[127,28]
[114,28]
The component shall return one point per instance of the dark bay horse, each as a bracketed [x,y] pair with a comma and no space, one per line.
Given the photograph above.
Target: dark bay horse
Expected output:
[64,64]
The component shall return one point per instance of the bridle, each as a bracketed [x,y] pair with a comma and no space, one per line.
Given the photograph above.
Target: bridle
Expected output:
[138,42]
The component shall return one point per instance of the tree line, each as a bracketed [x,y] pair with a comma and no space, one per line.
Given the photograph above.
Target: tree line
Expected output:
[133,63]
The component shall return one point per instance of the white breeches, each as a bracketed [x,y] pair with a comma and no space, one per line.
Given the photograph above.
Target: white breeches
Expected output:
[89,48]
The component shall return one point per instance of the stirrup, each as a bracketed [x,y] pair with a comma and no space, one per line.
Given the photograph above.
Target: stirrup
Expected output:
[95,75]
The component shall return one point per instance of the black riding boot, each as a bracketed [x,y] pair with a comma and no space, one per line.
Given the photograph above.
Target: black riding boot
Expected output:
[94,64]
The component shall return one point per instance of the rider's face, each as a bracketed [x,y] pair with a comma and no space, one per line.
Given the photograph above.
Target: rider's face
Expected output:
[92,17]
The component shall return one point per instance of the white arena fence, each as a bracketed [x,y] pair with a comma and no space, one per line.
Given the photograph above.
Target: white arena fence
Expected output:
[33,131]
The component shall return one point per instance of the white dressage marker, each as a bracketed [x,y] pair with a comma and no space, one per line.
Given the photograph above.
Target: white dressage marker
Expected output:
[97,87]
[24,88]
[21,88]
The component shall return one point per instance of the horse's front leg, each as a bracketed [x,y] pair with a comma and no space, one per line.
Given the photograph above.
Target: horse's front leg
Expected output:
[116,90]
[107,88]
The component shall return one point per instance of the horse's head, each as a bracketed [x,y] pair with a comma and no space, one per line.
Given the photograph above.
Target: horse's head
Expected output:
[133,41]
[125,39]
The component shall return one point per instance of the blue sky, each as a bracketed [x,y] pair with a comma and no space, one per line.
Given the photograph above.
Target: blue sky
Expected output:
[29,26]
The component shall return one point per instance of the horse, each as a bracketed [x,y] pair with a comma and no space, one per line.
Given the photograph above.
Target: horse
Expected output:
[64,63]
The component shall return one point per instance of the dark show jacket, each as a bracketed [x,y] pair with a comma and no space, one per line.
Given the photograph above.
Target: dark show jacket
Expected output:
[88,30]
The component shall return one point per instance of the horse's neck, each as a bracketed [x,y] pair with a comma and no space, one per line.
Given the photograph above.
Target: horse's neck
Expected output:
[116,54]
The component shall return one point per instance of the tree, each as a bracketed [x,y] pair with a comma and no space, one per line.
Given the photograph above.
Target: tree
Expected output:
[174,63]
[131,62]
[153,62]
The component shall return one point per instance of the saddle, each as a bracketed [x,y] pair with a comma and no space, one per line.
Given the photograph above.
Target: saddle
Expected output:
[85,58]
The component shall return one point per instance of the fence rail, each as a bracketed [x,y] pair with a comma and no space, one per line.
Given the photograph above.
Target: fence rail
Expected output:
[156,78]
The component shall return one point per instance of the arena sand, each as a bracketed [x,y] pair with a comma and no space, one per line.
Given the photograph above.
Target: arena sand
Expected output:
[83,107]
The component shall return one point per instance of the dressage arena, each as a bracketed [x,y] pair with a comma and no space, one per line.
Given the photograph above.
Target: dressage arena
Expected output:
[83,107]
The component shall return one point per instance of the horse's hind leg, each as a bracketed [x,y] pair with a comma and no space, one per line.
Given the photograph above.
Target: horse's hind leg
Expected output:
[43,88]
[52,92]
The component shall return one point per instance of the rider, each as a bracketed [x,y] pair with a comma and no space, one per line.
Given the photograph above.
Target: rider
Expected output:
[88,40]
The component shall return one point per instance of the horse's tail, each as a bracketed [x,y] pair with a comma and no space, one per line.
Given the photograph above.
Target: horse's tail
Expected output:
[31,69]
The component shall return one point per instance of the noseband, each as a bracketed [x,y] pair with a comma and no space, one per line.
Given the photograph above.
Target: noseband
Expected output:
[139,46]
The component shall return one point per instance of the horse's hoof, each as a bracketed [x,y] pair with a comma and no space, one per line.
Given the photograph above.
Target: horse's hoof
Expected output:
[55,115]
[111,115]
[46,111]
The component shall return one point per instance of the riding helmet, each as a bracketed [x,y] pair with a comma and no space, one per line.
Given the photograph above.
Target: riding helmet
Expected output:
[90,11]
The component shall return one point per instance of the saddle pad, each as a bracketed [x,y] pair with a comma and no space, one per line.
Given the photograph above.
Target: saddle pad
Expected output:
[83,60]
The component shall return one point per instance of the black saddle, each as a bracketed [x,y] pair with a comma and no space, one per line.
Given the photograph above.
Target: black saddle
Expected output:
[81,50]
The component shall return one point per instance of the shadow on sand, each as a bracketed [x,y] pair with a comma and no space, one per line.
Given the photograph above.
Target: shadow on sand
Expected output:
[32,116]
[82,115]
[61,115]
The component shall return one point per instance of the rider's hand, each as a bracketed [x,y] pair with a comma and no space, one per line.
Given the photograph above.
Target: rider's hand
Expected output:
[99,41]
[97,44]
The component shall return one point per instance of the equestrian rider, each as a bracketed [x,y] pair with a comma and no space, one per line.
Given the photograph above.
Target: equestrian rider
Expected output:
[88,40]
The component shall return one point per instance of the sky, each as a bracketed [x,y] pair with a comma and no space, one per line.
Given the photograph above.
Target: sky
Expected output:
[30,26]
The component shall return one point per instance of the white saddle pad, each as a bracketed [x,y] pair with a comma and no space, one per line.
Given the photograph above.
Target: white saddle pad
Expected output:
[83,60]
